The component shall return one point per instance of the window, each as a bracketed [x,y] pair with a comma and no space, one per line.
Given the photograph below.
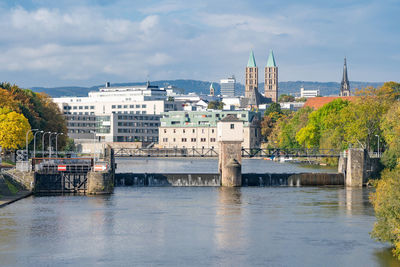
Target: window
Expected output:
[232,126]
[193,130]
[119,106]
[74,107]
[202,139]
[184,139]
[193,139]
[143,106]
[137,106]
[212,139]
[113,106]
[91,107]
[183,131]
[174,130]
[165,130]
[174,139]
[165,139]
[125,106]
[212,130]
[131,106]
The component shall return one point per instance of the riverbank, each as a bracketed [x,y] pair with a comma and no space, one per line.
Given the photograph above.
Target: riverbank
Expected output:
[10,191]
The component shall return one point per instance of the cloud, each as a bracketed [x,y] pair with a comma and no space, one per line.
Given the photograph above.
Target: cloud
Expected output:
[84,42]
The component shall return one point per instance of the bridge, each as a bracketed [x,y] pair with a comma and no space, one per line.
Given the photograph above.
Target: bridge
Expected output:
[212,152]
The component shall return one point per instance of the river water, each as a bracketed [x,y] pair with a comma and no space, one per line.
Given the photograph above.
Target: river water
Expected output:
[194,226]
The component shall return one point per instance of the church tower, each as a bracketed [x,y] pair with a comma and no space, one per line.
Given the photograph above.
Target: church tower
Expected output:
[271,79]
[212,90]
[251,85]
[345,84]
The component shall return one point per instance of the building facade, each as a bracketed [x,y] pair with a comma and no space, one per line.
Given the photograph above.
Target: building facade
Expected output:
[271,79]
[199,129]
[308,93]
[81,112]
[228,87]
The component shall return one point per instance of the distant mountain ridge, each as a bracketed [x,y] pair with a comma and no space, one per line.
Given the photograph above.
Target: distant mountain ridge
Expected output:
[202,87]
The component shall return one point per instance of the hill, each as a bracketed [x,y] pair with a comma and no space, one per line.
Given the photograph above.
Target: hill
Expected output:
[202,87]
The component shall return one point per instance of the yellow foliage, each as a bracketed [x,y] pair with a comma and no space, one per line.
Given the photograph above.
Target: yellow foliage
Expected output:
[13,129]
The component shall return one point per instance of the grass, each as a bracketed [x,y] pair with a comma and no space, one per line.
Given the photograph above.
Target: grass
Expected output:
[13,189]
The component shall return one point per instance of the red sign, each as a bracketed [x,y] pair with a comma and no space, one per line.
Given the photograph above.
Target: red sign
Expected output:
[62,168]
[99,168]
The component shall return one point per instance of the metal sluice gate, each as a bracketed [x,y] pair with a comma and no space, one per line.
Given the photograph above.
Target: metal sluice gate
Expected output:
[61,175]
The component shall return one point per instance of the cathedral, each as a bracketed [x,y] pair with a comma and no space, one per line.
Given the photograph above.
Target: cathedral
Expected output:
[254,98]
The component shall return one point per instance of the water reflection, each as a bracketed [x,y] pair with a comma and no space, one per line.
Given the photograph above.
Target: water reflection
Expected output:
[229,233]
[385,258]
[8,236]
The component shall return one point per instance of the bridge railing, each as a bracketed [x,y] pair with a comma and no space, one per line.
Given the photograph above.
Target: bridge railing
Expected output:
[213,152]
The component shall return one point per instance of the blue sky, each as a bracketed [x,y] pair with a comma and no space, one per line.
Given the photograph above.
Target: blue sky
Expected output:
[87,42]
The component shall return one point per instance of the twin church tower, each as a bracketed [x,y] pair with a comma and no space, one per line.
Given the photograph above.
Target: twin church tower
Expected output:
[270,79]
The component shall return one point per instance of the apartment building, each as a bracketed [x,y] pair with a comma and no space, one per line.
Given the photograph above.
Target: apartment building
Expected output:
[198,129]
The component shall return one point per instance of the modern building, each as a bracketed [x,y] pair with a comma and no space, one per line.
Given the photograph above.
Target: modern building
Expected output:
[271,79]
[345,84]
[199,129]
[308,93]
[228,87]
[82,112]
[127,128]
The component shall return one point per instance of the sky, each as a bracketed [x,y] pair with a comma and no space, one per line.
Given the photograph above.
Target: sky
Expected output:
[87,42]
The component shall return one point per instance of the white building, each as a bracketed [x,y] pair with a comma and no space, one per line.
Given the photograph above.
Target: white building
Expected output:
[81,112]
[228,87]
[308,93]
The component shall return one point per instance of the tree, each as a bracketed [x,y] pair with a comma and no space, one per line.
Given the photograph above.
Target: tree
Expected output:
[274,107]
[70,145]
[310,135]
[286,98]
[386,202]
[215,105]
[13,129]
[390,126]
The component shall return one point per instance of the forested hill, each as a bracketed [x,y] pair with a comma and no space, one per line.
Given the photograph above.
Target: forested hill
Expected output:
[202,87]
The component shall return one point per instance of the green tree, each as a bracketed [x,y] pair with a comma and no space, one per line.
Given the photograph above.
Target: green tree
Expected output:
[386,202]
[215,105]
[274,107]
[310,135]
[13,129]
[286,98]
[70,145]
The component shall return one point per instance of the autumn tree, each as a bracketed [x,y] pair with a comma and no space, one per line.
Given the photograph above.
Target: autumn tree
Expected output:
[215,105]
[13,129]
[286,98]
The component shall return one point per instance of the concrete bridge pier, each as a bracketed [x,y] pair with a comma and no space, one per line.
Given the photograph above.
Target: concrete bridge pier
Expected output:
[358,167]
[230,135]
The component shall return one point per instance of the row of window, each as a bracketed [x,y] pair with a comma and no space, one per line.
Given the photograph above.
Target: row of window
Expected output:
[129,112]
[193,130]
[212,140]
[150,118]
[73,118]
[126,106]
[72,124]
[148,131]
[136,139]
[138,124]
[78,107]
[78,113]
[79,131]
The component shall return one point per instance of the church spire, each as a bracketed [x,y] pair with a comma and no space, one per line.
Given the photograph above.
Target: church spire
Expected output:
[252,61]
[345,84]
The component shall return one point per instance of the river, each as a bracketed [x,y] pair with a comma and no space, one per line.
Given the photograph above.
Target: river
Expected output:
[194,226]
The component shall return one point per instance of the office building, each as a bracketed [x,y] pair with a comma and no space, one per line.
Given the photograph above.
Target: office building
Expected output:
[228,87]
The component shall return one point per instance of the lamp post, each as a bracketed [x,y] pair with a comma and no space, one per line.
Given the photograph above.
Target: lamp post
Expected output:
[43,142]
[34,143]
[57,143]
[378,145]
[94,145]
[26,141]
[50,143]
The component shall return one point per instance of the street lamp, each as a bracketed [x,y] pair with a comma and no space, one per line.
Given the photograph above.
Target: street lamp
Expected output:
[34,143]
[26,141]
[43,142]
[378,144]
[57,143]
[50,143]
[94,145]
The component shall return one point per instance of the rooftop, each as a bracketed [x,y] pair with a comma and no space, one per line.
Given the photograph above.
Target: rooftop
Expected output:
[318,102]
